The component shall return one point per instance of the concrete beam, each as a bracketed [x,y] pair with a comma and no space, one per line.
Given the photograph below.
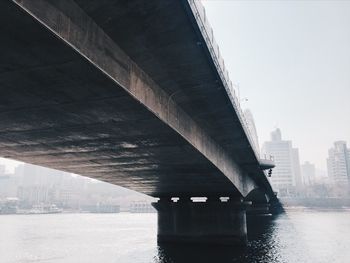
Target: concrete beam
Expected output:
[72,25]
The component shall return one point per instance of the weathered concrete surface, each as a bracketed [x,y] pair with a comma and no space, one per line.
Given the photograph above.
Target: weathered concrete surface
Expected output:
[121,91]
[202,222]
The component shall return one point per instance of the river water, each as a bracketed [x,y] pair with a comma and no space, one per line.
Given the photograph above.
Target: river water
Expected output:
[296,237]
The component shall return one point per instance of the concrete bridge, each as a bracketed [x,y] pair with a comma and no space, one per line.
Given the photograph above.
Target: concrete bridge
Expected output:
[134,93]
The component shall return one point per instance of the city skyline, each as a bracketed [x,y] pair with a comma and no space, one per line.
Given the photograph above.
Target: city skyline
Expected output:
[290,178]
[34,185]
[291,60]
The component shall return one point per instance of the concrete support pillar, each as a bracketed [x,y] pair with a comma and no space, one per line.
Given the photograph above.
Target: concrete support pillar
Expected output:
[202,222]
[258,209]
[260,216]
[276,207]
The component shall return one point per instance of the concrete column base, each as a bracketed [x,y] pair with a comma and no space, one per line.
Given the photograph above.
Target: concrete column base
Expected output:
[258,209]
[212,222]
[276,208]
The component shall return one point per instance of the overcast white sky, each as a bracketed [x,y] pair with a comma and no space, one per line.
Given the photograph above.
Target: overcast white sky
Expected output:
[292,61]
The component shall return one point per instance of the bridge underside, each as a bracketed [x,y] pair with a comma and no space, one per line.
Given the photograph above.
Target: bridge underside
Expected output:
[57,110]
[126,92]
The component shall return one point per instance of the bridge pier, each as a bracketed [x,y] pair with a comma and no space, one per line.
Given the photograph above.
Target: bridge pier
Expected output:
[258,209]
[212,221]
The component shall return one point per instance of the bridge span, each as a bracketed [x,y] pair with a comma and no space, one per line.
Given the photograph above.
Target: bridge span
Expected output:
[134,93]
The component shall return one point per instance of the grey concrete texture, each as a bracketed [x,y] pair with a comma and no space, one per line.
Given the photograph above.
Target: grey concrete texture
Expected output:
[202,222]
[120,91]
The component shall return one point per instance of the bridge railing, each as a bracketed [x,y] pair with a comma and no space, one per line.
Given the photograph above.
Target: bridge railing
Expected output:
[198,11]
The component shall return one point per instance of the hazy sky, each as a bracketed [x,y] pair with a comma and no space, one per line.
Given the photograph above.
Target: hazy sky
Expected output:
[292,61]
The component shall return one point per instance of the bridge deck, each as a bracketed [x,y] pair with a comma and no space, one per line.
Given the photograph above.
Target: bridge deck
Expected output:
[60,111]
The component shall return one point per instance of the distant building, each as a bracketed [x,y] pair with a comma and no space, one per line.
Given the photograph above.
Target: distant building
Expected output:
[286,176]
[141,207]
[338,162]
[308,172]
[33,175]
[297,169]
[252,129]
[39,187]
[101,208]
[8,184]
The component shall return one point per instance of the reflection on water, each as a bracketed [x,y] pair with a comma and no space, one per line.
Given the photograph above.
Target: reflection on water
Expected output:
[295,237]
[193,253]
[264,245]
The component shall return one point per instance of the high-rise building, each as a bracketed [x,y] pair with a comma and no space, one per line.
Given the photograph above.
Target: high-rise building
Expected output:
[286,176]
[308,172]
[8,184]
[296,169]
[338,162]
